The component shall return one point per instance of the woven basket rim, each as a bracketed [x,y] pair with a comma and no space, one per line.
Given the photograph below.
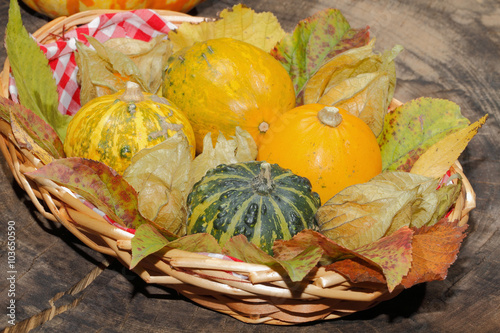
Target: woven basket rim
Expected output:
[264,298]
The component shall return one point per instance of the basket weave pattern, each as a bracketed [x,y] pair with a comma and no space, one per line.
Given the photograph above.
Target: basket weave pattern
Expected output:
[249,292]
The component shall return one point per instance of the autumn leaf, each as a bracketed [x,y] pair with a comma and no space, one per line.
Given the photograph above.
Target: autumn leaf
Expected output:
[414,127]
[149,240]
[146,241]
[384,261]
[438,158]
[35,84]
[259,29]
[285,249]
[201,242]
[97,183]
[393,254]
[24,140]
[358,270]
[314,41]
[38,130]
[295,266]
[435,249]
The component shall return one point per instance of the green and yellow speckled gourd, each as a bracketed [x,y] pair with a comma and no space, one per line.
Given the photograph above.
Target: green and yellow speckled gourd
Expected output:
[113,128]
[224,83]
[262,201]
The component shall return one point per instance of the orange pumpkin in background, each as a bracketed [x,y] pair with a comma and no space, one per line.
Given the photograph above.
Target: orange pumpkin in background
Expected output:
[329,146]
[56,8]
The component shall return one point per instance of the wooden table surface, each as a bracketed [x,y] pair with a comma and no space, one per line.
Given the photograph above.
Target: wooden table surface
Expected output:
[452,51]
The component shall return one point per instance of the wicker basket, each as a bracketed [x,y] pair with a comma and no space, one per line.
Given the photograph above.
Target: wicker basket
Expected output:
[262,298]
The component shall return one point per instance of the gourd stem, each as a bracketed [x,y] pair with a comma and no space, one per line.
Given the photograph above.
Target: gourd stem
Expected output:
[133,93]
[263,127]
[263,183]
[330,115]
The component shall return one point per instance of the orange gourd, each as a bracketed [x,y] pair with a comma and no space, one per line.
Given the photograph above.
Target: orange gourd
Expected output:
[329,146]
[56,8]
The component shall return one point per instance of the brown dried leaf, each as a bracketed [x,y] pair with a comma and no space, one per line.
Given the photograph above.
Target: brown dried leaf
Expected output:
[241,148]
[108,66]
[357,80]
[160,175]
[363,213]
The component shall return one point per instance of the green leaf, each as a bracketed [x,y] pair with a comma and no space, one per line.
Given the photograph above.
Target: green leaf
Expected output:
[97,183]
[38,130]
[239,247]
[147,240]
[34,81]
[414,127]
[201,242]
[314,41]
[259,29]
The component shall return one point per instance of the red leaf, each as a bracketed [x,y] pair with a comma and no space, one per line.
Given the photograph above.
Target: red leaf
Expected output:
[358,271]
[386,260]
[435,248]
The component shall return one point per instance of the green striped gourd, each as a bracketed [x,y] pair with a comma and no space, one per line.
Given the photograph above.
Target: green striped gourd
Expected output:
[113,128]
[264,202]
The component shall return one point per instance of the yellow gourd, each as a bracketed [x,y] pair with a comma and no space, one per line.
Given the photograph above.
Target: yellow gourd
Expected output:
[113,128]
[224,83]
[329,146]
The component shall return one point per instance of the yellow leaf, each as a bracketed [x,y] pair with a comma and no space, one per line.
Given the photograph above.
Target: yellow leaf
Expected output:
[262,30]
[438,159]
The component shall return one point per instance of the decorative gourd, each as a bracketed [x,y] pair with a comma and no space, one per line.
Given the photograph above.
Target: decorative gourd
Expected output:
[55,8]
[331,147]
[264,202]
[224,83]
[112,128]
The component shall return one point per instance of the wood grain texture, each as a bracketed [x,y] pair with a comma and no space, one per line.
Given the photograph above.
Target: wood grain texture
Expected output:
[452,51]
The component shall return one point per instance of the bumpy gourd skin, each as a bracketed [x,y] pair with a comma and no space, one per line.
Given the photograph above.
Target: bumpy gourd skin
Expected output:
[261,201]
[332,158]
[223,83]
[111,130]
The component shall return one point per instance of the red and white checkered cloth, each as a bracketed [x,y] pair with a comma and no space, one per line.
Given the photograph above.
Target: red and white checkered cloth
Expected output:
[142,24]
